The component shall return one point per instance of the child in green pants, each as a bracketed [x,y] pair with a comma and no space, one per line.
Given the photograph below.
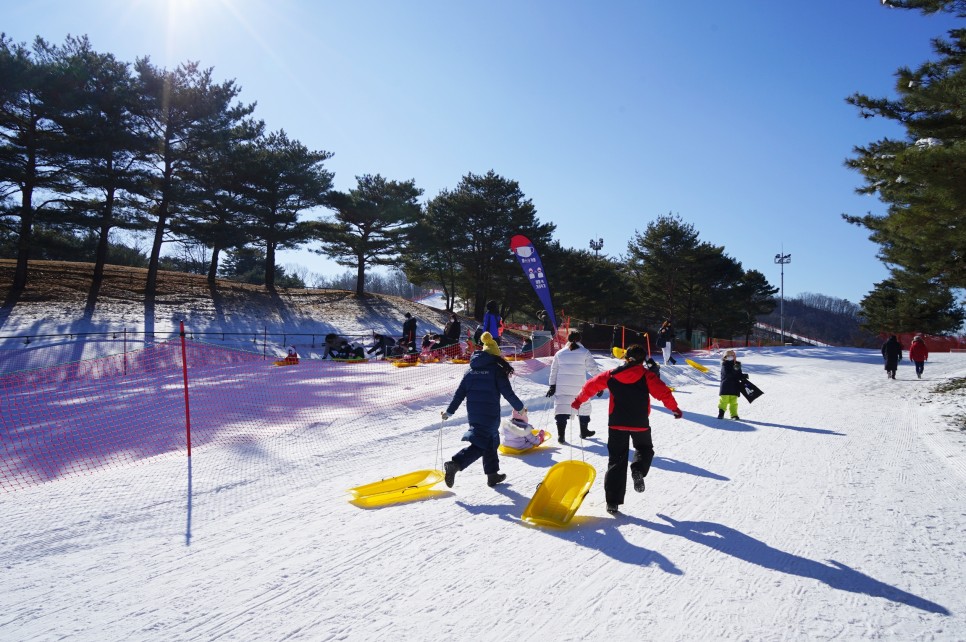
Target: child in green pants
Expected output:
[730,385]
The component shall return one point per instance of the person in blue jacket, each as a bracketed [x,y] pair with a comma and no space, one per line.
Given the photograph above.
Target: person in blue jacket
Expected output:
[482,386]
[492,322]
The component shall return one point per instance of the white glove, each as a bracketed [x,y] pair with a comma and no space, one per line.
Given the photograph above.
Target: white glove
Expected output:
[444,415]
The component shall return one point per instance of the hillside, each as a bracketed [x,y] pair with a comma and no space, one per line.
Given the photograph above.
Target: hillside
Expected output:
[57,296]
[828,327]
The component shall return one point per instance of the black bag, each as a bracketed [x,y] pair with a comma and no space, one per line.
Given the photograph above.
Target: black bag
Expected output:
[476,336]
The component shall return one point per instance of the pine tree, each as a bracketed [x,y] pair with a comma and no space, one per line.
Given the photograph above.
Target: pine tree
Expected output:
[922,177]
[370,224]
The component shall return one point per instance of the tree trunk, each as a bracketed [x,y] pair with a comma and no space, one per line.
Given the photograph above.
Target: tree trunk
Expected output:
[270,265]
[213,266]
[23,243]
[360,276]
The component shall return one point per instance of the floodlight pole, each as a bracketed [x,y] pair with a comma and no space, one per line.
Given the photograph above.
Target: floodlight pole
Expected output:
[596,245]
[782,259]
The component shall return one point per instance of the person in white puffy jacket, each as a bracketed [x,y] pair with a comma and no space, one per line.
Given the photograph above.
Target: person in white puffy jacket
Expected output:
[569,371]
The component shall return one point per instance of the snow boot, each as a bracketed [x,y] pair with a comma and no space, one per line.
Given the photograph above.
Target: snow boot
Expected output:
[638,478]
[450,469]
[736,418]
[585,430]
[672,361]
[494,478]
[720,413]
[612,509]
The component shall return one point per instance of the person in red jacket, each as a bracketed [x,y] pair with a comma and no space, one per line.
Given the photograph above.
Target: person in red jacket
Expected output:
[631,386]
[918,353]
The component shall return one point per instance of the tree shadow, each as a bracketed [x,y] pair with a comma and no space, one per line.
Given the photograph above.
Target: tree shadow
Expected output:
[9,302]
[607,537]
[744,547]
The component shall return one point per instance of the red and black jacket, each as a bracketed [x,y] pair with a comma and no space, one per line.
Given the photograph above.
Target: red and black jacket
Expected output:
[631,387]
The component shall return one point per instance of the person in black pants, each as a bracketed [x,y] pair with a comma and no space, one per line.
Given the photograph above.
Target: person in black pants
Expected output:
[631,386]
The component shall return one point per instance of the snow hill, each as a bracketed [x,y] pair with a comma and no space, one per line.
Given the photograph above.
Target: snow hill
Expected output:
[833,510]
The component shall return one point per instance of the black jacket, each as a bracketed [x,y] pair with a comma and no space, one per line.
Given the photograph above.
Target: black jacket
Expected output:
[731,378]
[892,353]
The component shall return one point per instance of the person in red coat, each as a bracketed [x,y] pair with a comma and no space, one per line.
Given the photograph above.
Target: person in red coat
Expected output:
[918,353]
[631,386]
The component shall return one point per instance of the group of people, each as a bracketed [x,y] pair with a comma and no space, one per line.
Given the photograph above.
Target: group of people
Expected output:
[892,355]
[630,386]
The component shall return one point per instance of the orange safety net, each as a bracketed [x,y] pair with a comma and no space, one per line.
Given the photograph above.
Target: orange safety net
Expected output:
[79,417]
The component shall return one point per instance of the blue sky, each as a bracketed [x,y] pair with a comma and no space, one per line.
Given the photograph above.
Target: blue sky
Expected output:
[731,115]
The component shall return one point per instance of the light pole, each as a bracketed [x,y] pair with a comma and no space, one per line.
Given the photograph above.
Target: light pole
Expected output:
[782,259]
[596,245]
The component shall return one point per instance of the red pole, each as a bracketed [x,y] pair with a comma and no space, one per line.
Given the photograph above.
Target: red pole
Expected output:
[187,408]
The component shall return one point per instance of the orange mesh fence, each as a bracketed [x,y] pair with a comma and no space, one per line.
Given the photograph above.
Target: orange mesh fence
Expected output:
[117,410]
[934,343]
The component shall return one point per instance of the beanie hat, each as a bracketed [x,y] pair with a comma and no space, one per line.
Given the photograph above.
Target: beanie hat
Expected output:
[489,345]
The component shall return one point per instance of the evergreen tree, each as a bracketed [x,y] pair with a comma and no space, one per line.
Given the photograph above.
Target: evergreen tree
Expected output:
[757,297]
[282,180]
[922,177]
[100,128]
[657,262]
[371,224]
[33,154]
[587,286]
[908,302]
[184,113]
[222,210]
[490,209]
[247,265]
[431,254]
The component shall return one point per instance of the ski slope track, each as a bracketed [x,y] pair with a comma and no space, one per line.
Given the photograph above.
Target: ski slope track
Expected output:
[835,509]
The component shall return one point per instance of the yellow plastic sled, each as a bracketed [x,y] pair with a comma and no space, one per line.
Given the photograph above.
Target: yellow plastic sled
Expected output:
[509,450]
[396,489]
[695,364]
[618,352]
[560,494]
[405,364]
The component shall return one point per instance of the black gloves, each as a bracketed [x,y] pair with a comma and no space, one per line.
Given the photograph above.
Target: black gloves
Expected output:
[600,394]
[553,390]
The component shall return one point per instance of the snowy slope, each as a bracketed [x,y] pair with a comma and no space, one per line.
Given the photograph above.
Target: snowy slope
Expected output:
[835,509]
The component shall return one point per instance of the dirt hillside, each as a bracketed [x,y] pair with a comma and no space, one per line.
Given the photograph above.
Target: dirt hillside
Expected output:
[59,294]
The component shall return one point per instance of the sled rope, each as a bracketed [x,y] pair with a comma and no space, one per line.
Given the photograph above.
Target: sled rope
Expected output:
[439,446]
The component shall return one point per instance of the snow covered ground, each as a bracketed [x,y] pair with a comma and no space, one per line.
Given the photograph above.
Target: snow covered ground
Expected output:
[835,509]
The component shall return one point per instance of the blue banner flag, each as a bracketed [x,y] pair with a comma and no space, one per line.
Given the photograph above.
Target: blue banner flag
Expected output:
[530,262]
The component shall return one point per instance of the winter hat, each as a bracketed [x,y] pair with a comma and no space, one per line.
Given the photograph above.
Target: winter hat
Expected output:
[489,345]
[291,351]
[729,353]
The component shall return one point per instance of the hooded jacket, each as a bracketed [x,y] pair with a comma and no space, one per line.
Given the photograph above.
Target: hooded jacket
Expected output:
[482,386]
[568,372]
[918,350]
[892,353]
[631,387]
